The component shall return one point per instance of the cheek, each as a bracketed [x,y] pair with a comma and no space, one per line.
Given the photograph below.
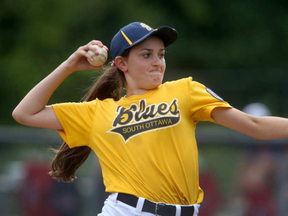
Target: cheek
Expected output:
[141,69]
[164,65]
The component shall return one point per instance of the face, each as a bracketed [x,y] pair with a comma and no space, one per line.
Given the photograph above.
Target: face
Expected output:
[145,66]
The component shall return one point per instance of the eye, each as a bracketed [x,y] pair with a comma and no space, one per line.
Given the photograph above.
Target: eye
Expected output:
[161,55]
[146,55]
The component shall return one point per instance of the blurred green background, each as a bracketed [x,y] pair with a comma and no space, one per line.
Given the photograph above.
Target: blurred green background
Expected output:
[238,48]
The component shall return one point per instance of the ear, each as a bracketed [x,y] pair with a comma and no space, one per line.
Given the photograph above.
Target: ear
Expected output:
[121,63]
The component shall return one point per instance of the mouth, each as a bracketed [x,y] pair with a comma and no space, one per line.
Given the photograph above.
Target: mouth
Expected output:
[155,71]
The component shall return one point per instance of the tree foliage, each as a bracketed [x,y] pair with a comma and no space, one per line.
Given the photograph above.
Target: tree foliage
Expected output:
[237,45]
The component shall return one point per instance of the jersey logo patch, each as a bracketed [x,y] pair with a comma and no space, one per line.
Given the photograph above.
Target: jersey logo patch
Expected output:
[214,94]
[143,118]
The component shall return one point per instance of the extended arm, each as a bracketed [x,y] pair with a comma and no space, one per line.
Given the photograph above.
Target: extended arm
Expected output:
[33,109]
[265,128]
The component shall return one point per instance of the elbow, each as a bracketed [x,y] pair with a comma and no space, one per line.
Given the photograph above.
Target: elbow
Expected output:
[259,136]
[263,136]
[257,131]
[17,116]
[255,135]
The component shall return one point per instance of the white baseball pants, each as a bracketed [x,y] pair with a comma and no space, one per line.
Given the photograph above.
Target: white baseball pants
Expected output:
[113,207]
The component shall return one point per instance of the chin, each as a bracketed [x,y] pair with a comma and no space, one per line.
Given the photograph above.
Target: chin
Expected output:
[153,81]
[156,83]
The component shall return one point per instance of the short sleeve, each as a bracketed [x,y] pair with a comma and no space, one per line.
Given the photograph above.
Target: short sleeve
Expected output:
[203,101]
[76,120]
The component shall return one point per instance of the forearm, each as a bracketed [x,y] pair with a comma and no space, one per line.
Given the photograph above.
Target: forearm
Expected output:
[271,128]
[39,96]
[265,128]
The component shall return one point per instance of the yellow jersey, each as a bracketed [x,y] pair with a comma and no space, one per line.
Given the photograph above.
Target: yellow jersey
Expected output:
[145,143]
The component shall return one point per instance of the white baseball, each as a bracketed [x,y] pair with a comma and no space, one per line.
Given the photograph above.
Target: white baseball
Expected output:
[99,59]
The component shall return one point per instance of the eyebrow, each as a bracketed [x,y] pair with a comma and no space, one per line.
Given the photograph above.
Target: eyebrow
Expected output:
[152,49]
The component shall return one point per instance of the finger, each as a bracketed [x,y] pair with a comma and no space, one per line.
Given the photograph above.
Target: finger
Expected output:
[88,46]
[86,54]
[96,42]
[91,46]
[106,48]
[94,49]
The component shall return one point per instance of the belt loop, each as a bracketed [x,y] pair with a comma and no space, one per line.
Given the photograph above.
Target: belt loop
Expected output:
[113,197]
[178,210]
[196,209]
[139,206]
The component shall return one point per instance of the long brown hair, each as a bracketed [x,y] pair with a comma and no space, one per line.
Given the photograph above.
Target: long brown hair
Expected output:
[66,161]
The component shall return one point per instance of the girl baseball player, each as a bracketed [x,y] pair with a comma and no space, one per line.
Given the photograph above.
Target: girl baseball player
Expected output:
[145,140]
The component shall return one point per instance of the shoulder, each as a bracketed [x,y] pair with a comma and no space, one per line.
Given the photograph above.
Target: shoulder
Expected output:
[74,106]
[184,84]
[179,82]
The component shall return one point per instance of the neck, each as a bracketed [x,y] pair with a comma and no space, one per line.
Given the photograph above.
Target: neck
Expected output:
[130,92]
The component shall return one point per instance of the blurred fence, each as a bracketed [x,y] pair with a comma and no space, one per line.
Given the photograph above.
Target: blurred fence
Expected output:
[239,175]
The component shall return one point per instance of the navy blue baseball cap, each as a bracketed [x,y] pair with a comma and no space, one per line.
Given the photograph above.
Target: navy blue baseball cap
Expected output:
[136,32]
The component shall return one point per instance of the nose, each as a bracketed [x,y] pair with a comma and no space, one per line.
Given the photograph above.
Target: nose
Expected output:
[157,61]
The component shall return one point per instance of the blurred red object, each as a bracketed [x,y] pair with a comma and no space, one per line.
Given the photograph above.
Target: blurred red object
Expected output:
[212,197]
[257,177]
[35,191]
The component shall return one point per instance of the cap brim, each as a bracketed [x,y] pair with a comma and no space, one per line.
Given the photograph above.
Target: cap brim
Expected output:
[167,34]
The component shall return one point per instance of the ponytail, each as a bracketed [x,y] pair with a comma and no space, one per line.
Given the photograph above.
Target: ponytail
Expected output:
[109,85]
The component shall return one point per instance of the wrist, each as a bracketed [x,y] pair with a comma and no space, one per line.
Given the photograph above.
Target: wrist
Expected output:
[66,68]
